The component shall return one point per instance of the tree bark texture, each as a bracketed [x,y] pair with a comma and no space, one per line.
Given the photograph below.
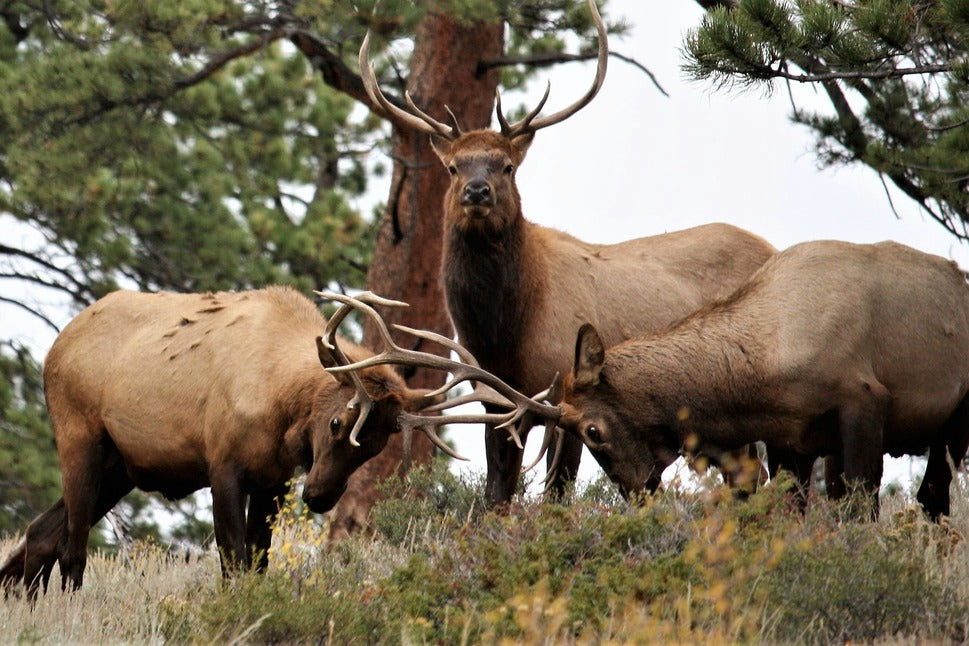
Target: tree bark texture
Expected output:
[407,257]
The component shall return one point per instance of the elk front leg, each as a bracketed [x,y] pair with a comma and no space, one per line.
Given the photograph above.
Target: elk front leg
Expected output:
[799,465]
[229,518]
[861,425]
[504,460]
[263,508]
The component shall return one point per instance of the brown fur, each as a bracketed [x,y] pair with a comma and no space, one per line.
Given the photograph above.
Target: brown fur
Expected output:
[175,392]
[517,292]
[833,349]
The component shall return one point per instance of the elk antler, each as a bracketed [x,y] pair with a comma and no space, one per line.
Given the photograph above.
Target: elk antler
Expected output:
[530,123]
[362,397]
[416,118]
[420,120]
[489,389]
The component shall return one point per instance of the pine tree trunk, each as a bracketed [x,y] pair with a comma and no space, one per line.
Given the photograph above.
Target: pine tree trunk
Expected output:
[407,257]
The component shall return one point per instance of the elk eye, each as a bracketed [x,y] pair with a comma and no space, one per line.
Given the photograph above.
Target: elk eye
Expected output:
[452,169]
[335,425]
[508,169]
[593,434]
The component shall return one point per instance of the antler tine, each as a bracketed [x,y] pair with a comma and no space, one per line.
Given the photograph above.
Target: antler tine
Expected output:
[361,398]
[482,395]
[547,437]
[556,461]
[440,339]
[470,371]
[527,125]
[409,421]
[522,127]
[419,120]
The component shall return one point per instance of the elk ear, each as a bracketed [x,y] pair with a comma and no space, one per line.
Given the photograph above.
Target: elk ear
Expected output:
[442,147]
[521,144]
[328,360]
[590,354]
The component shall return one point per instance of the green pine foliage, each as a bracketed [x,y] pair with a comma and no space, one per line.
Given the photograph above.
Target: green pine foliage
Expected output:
[895,72]
[29,475]
[192,146]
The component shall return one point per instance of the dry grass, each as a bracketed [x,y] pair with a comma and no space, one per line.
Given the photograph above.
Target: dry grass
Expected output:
[686,568]
[121,602]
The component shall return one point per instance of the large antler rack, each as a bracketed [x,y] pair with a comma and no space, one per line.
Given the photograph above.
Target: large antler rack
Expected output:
[416,118]
[489,388]
[531,122]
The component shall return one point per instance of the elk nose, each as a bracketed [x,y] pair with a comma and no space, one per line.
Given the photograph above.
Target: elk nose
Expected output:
[477,192]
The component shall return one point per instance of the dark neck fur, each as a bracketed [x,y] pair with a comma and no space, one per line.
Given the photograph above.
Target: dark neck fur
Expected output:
[486,283]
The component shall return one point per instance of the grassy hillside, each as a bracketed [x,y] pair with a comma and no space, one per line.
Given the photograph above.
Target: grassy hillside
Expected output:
[685,567]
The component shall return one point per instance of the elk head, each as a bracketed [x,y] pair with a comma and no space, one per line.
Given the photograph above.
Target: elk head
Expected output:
[482,196]
[345,435]
[632,445]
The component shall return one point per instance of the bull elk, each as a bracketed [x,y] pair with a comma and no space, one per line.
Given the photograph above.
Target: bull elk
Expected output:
[517,292]
[831,349]
[175,392]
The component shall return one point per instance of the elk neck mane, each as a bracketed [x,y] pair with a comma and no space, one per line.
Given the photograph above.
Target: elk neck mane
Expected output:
[492,281]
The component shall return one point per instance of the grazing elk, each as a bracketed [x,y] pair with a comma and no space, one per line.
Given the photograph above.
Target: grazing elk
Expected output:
[517,292]
[831,349]
[175,392]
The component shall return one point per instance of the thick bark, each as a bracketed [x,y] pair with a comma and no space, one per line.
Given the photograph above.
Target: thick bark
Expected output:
[407,257]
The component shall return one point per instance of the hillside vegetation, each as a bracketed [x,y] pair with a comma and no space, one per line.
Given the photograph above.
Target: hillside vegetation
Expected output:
[687,566]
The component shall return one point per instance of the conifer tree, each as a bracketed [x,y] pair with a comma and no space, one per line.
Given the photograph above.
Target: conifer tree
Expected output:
[895,72]
[219,144]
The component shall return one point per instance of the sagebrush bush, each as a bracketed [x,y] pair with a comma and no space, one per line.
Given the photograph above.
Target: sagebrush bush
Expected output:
[688,565]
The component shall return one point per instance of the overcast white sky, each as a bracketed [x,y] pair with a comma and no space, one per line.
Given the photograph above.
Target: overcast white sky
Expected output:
[636,163]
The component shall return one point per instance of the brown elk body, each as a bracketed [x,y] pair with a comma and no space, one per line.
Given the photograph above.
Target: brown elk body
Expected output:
[175,392]
[832,349]
[517,292]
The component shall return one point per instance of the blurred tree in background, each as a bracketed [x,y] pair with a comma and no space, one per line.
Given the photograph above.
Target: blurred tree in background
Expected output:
[214,144]
[896,73]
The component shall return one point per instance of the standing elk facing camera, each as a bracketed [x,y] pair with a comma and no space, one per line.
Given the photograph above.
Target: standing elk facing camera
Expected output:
[517,292]
[175,392]
[831,349]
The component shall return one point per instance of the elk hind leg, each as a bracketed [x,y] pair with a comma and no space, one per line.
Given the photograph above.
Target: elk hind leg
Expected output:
[933,493]
[34,558]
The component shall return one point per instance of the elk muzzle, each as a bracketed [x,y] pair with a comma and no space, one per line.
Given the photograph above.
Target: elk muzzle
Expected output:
[478,193]
[320,503]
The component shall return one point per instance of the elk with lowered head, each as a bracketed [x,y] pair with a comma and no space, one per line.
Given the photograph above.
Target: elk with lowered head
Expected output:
[517,292]
[175,392]
[831,349]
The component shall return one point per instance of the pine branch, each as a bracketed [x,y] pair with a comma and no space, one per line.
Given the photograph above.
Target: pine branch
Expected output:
[764,72]
[30,310]
[216,63]
[554,58]
[714,4]
[335,72]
